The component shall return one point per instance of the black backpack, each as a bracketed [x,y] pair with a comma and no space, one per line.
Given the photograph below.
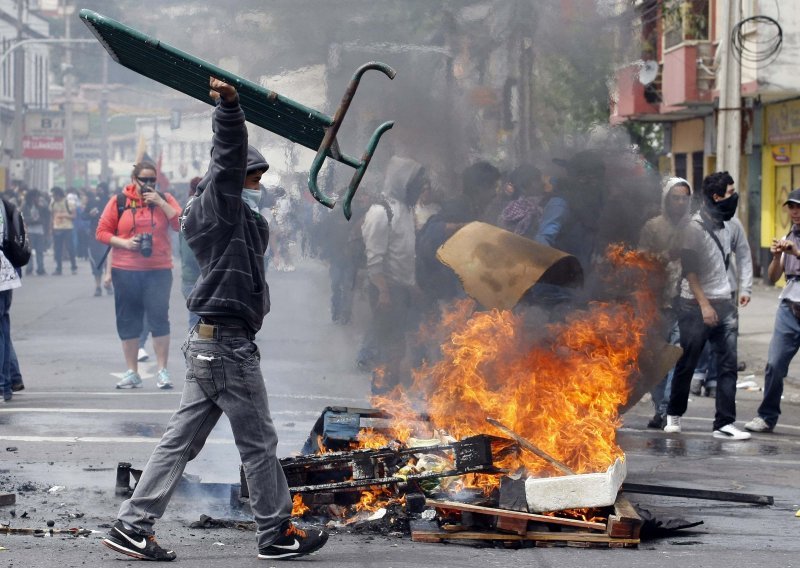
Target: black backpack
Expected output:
[16,245]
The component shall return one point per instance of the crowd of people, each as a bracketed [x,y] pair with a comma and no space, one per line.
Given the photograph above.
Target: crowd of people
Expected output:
[388,253]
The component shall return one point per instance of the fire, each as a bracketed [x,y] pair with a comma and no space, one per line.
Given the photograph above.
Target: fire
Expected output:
[560,391]
[298,507]
[374,499]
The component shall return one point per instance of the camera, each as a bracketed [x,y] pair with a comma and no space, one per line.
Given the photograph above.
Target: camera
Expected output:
[146,244]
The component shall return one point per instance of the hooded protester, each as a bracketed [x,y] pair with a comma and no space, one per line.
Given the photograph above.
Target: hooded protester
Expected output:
[389,243]
[662,236]
[228,236]
[706,310]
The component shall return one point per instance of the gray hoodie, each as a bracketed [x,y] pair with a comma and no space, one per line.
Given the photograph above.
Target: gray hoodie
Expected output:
[226,237]
[662,236]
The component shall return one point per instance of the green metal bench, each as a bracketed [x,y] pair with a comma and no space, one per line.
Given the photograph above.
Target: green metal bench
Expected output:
[267,109]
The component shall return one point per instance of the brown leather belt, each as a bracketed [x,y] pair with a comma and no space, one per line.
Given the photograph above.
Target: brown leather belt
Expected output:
[215,331]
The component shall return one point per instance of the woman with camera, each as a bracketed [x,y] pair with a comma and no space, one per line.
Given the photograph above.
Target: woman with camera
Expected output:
[136,225]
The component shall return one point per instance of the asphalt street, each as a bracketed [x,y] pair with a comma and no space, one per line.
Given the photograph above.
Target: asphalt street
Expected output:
[62,437]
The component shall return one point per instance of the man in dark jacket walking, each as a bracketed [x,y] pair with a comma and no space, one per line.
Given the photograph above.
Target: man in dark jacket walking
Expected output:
[228,236]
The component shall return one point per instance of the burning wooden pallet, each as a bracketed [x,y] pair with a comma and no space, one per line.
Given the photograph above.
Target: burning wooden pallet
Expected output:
[320,477]
[620,530]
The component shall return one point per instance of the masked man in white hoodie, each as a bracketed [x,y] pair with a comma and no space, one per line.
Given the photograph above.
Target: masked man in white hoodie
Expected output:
[662,236]
[389,241]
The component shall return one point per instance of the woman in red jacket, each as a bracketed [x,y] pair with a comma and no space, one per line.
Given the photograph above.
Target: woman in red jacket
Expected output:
[141,267]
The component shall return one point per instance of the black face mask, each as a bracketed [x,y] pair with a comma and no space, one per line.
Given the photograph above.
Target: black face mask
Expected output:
[725,209]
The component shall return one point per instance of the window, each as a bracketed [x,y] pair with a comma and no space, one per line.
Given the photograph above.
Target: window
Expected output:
[680,165]
[684,20]
[697,170]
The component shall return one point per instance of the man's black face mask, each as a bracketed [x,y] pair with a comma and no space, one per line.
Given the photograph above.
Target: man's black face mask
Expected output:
[724,210]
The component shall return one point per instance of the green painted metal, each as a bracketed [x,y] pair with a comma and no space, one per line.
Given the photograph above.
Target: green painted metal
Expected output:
[265,108]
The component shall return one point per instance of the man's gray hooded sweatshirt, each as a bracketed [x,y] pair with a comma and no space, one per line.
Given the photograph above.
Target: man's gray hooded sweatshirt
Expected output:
[226,236]
[662,236]
[389,243]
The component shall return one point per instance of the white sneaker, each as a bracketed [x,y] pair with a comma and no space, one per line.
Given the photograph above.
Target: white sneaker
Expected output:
[142,355]
[673,425]
[731,432]
[758,424]
[163,380]
[130,380]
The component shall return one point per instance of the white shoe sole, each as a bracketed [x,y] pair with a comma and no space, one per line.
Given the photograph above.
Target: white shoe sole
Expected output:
[723,436]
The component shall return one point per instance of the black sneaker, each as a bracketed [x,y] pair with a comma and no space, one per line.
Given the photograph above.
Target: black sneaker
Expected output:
[294,542]
[658,421]
[137,545]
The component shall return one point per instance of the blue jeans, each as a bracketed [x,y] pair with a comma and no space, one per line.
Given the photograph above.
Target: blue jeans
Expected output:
[5,344]
[62,238]
[222,376]
[661,392]
[38,247]
[722,337]
[782,348]
[15,373]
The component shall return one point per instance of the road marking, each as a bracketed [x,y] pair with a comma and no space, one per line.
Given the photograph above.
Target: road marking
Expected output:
[127,393]
[99,440]
[310,413]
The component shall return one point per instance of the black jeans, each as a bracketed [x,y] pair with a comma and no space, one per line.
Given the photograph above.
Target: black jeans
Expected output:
[693,335]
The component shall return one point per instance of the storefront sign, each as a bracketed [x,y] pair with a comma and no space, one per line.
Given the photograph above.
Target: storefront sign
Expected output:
[43,147]
[86,150]
[782,154]
[53,123]
[783,122]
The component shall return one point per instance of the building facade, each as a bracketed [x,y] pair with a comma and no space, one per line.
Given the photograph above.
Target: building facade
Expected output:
[675,76]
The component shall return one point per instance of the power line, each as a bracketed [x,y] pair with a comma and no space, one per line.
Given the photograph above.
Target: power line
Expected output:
[750,51]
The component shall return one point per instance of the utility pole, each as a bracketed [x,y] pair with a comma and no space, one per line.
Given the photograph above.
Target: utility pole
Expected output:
[68,78]
[729,81]
[19,84]
[105,174]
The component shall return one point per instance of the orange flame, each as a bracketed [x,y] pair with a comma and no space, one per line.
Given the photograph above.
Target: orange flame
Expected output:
[560,392]
[298,507]
[374,498]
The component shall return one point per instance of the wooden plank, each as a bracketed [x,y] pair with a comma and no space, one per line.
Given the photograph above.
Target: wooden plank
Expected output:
[562,467]
[625,522]
[512,525]
[516,515]
[545,537]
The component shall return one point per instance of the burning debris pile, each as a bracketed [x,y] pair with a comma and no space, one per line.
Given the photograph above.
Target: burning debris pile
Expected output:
[553,399]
